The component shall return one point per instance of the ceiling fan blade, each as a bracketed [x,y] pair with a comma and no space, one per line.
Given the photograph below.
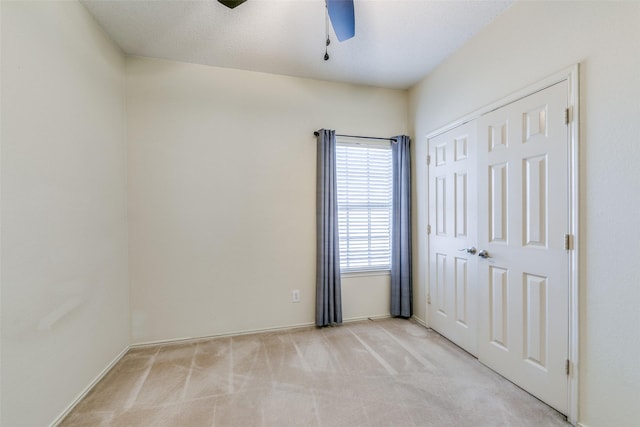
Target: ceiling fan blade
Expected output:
[342,18]
[231,3]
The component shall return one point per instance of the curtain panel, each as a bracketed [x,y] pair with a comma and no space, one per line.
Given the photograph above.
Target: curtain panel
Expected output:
[401,275]
[328,285]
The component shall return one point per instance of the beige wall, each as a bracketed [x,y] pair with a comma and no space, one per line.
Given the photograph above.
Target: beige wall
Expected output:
[222,192]
[64,285]
[530,41]
[222,195]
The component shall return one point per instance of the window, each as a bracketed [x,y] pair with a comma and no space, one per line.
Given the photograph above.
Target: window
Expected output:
[364,175]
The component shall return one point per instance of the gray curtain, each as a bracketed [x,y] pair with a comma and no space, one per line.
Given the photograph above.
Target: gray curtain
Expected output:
[401,293]
[328,293]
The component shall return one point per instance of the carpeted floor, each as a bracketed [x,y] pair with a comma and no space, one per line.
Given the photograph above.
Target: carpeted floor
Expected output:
[388,372]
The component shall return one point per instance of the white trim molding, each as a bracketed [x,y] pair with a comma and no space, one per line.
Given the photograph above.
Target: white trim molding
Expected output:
[573,130]
[363,318]
[88,388]
[419,321]
[220,335]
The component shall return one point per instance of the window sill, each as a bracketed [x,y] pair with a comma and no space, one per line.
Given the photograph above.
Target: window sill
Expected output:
[365,273]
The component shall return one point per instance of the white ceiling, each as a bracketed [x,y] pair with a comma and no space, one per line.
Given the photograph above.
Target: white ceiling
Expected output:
[397,42]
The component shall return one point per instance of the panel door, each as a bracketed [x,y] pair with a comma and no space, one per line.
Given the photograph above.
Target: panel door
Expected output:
[452,208]
[522,221]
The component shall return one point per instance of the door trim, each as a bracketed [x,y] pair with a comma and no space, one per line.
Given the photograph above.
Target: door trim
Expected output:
[571,75]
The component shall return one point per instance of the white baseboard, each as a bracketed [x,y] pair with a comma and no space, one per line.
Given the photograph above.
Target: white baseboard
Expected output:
[221,335]
[419,321]
[88,388]
[361,318]
[248,331]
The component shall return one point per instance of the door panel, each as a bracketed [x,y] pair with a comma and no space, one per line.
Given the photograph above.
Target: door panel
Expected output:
[498,202]
[499,307]
[461,279]
[534,193]
[452,206]
[522,220]
[535,319]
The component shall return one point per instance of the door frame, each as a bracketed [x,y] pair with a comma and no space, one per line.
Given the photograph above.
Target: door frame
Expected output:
[571,75]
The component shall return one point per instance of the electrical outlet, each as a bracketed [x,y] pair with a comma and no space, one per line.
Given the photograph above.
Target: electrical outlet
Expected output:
[295,295]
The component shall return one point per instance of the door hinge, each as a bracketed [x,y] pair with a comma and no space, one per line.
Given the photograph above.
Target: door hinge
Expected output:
[428,160]
[429,229]
[568,242]
[568,367]
[429,299]
[567,116]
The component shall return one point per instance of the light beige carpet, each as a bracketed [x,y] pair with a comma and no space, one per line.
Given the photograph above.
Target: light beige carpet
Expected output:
[389,372]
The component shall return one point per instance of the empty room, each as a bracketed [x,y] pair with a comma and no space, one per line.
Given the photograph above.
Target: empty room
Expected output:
[319,213]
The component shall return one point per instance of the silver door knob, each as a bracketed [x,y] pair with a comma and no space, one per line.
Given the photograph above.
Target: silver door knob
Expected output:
[484,254]
[470,250]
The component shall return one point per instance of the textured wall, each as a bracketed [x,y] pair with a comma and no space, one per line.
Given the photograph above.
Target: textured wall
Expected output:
[65,290]
[530,41]
[222,195]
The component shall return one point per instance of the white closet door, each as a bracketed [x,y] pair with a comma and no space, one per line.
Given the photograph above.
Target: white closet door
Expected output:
[452,212]
[522,220]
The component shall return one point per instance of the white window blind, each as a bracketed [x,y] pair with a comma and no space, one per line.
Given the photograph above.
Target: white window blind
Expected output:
[364,206]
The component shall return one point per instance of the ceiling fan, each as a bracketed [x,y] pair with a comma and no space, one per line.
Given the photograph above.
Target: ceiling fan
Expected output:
[232,4]
[340,12]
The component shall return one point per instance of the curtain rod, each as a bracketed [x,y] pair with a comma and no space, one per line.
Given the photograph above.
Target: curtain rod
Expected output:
[362,137]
